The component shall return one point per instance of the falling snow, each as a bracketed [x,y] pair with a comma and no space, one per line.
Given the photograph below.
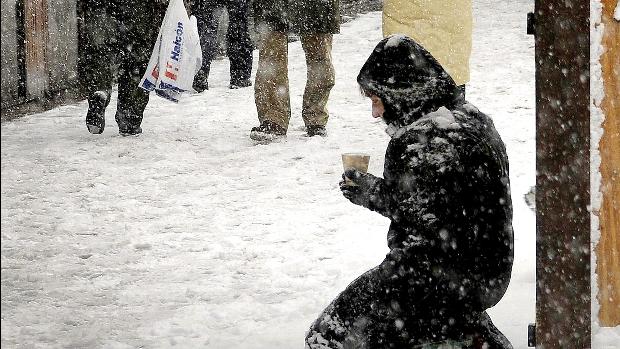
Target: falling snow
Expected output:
[192,236]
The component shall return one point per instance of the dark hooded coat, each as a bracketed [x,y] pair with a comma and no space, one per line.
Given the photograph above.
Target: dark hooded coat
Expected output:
[302,17]
[445,188]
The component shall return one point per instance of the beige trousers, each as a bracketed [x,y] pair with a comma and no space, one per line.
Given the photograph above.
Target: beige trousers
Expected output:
[271,88]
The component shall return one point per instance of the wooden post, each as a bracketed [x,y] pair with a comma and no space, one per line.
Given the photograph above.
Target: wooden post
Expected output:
[36,35]
[608,249]
[563,289]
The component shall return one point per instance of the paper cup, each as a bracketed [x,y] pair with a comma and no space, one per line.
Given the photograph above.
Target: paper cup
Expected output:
[358,161]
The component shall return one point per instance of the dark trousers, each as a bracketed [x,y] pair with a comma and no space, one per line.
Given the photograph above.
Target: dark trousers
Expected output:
[378,310]
[391,306]
[238,43]
[116,32]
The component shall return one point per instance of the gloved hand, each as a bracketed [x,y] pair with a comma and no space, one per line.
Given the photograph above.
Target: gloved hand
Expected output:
[360,193]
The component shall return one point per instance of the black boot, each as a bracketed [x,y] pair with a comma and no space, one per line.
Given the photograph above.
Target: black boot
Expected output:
[316,130]
[128,124]
[201,80]
[267,132]
[95,118]
[239,83]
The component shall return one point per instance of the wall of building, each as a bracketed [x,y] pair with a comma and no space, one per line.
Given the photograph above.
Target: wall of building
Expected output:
[62,47]
[45,36]
[10,69]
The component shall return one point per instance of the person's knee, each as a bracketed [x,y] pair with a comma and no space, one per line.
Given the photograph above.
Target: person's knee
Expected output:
[321,75]
[327,332]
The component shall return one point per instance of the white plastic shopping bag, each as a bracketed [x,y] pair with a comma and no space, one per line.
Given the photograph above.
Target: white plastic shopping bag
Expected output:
[176,56]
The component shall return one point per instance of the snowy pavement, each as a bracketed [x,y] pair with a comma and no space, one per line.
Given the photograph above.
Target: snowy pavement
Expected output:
[192,236]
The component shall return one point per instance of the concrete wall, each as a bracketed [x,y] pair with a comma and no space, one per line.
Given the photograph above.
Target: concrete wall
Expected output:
[52,68]
[62,46]
[10,75]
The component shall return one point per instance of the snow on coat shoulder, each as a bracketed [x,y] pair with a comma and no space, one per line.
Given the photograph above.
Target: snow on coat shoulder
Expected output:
[395,40]
[176,56]
[442,118]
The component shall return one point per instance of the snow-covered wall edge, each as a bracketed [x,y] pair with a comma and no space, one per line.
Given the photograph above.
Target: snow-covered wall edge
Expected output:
[601,337]
[597,93]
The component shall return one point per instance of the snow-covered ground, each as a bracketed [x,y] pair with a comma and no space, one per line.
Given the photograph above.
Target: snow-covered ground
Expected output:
[192,235]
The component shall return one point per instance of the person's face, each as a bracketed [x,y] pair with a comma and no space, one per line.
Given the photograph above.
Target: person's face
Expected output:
[377,106]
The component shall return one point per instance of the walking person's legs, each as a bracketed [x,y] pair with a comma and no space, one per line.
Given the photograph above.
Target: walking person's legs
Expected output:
[239,44]
[207,23]
[99,47]
[271,90]
[320,80]
[140,33]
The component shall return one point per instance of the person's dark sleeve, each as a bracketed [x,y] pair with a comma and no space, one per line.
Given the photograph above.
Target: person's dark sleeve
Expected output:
[419,182]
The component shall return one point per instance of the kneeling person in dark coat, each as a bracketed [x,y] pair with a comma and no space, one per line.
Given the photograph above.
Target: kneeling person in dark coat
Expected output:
[446,190]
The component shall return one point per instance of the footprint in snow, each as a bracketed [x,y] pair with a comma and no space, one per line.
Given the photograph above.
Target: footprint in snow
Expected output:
[142,246]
